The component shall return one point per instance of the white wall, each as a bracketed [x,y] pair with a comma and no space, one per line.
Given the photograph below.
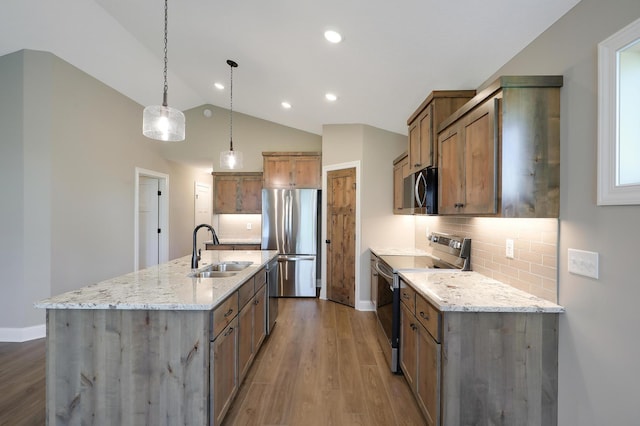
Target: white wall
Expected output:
[375,149]
[599,345]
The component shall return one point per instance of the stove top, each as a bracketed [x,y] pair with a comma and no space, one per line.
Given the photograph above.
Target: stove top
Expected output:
[449,252]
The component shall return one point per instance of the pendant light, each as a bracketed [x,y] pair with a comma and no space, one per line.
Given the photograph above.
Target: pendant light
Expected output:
[231,159]
[161,122]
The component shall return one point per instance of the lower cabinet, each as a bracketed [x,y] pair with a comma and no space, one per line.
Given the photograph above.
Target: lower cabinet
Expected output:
[420,363]
[480,368]
[224,377]
[243,316]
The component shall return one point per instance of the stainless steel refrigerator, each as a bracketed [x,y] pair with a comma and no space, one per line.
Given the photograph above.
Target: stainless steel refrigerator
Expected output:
[290,226]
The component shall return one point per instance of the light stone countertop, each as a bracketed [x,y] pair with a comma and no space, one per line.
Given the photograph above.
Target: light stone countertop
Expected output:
[395,251]
[473,292]
[238,241]
[164,287]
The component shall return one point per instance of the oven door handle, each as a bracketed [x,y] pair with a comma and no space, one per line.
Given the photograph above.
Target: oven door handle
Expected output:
[381,272]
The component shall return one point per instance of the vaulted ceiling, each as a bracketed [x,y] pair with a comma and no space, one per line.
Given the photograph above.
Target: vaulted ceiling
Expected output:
[392,55]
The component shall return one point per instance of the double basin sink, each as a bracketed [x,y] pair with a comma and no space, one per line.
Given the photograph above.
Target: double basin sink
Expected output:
[220,270]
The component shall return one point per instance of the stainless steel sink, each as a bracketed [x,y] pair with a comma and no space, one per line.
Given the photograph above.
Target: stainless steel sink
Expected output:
[213,274]
[229,266]
[219,270]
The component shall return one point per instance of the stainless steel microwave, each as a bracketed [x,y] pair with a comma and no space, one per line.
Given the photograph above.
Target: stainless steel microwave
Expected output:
[420,192]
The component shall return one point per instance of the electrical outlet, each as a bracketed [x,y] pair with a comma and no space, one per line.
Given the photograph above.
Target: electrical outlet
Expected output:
[584,263]
[249,225]
[509,248]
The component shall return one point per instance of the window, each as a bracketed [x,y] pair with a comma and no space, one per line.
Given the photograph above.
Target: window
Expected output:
[619,117]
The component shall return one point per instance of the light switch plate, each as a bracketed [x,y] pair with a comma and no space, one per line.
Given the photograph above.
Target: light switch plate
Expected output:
[249,225]
[509,248]
[584,263]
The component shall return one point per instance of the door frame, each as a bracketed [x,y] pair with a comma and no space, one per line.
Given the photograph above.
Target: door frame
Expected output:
[163,215]
[359,305]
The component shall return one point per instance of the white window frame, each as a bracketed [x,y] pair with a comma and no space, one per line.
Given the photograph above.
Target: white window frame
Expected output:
[609,192]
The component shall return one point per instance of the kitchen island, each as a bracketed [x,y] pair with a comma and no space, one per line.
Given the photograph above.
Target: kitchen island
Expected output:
[140,348]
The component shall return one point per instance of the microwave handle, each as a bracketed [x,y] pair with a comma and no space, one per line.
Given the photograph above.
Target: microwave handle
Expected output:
[420,179]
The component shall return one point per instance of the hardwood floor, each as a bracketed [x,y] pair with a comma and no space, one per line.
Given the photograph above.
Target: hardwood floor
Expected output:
[321,366]
[22,383]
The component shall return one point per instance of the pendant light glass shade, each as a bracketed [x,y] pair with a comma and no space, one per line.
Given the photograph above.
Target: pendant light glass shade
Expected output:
[161,122]
[231,159]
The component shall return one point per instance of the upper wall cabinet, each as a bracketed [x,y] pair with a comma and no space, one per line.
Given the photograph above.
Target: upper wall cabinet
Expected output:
[237,192]
[292,170]
[499,154]
[423,123]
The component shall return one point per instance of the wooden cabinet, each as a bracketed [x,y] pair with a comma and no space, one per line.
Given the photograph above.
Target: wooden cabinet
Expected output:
[289,170]
[224,377]
[237,192]
[251,321]
[238,330]
[462,366]
[420,353]
[499,154]
[422,147]
[400,170]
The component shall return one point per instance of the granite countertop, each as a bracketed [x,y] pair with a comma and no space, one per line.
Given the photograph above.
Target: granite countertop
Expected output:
[473,292]
[164,287]
[394,251]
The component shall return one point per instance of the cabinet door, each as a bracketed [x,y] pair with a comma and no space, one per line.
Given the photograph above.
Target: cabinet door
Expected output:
[408,345]
[226,190]
[250,195]
[426,139]
[259,318]
[398,184]
[450,170]
[306,172]
[224,377]
[245,339]
[414,145]
[428,375]
[480,148]
[277,172]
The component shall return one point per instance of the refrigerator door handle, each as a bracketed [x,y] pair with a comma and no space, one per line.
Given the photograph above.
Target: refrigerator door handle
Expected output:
[282,258]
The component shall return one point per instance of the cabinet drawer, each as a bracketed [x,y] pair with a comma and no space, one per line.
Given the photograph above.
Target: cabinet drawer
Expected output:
[408,297]
[245,293]
[225,313]
[428,316]
[261,279]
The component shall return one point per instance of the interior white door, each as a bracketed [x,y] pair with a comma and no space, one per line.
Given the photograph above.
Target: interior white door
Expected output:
[202,211]
[148,222]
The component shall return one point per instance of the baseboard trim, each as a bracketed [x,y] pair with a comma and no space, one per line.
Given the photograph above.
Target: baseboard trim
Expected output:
[23,334]
[365,305]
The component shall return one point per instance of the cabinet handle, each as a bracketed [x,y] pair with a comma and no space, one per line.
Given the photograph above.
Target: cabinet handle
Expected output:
[413,327]
[417,165]
[458,205]
[256,302]
[228,332]
[229,312]
[405,296]
[423,315]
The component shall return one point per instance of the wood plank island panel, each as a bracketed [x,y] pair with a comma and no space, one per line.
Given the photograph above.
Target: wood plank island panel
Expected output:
[127,367]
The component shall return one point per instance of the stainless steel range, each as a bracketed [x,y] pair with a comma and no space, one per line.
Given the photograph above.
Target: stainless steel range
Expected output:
[448,252]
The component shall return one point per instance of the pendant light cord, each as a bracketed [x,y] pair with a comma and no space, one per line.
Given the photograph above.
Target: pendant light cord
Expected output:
[166,85]
[232,65]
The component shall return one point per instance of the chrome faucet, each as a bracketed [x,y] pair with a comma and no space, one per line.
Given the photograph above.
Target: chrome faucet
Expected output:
[195,256]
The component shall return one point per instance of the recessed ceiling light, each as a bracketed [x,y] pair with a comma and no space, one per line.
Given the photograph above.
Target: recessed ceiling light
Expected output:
[286,105]
[330,97]
[219,86]
[333,36]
